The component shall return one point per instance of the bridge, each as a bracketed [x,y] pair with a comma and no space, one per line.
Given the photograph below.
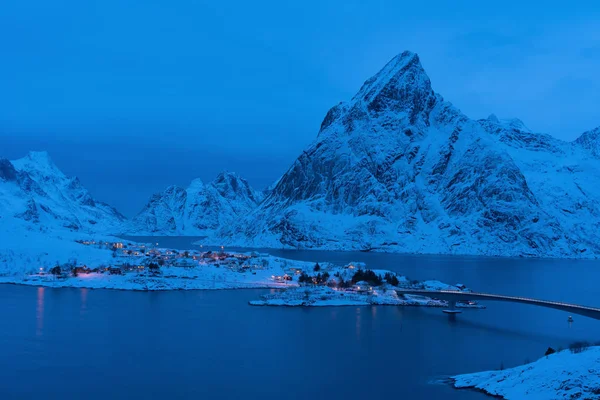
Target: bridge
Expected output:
[452,296]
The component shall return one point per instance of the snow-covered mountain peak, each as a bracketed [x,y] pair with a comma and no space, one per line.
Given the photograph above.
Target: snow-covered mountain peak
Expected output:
[225,174]
[199,209]
[590,141]
[36,193]
[399,97]
[516,123]
[196,185]
[511,123]
[493,118]
[399,168]
[401,86]
[230,185]
[38,163]
[393,73]
[39,157]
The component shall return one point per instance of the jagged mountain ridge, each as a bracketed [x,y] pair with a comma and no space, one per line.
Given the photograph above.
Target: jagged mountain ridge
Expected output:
[36,194]
[198,209]
[398,168]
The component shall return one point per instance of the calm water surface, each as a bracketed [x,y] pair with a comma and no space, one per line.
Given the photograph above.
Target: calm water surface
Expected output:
[100,344]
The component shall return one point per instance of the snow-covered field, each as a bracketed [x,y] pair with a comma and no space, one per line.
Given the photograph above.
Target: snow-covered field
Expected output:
[29,256]
[562,375]
[170,278]
[26,249]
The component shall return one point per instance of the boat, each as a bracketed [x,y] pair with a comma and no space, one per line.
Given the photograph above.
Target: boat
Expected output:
[570,319]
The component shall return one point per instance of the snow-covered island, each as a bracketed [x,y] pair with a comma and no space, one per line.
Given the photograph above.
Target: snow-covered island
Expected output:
[568,374]
[354,284]
[355,296]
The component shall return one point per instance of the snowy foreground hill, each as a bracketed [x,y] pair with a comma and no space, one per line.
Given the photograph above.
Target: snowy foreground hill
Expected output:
[562,375]
[197,210]
[398,168]
[43,212]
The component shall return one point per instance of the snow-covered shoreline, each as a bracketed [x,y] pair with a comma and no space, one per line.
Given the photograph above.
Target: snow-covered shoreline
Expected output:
[137,283]
[382,250]
[109,263]
[100,269]
[562,375]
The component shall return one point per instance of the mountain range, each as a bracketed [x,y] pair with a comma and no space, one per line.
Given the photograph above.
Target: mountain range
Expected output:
[198,210]
[396,168]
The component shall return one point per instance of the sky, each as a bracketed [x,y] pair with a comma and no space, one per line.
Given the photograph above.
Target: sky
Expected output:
[132,96]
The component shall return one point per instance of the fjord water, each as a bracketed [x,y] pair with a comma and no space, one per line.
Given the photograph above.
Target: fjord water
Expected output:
[100,344]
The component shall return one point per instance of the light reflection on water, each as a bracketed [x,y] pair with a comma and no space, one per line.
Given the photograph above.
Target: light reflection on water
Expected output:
[39,312]
[84,295]
[358,321]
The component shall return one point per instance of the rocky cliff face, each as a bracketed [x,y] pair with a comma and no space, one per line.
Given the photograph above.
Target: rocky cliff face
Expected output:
[590,141]
[199,209]
[398,168]
[34,192]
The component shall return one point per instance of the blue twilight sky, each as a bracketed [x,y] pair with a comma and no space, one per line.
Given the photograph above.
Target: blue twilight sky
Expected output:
[135,95]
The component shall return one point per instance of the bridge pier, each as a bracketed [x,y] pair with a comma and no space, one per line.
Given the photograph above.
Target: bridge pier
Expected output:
[451,310]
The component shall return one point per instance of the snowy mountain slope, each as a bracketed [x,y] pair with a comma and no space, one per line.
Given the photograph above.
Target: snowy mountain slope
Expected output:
[35,194]
[26,248]
[590,141]
[197,210]
[398,168]
[565,179]
[562,375]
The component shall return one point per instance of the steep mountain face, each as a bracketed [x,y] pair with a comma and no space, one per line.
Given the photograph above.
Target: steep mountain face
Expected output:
[34,192]
[590,141]
[398,168]
[198,210]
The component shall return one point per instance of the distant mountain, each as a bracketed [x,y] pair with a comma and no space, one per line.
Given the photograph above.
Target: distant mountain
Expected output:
[198,210]
[398,168]
[36,194]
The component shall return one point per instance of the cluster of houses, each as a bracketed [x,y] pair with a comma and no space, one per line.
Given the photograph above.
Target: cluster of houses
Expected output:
[109,245]
[288,274]
[325,279]
[133,257]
